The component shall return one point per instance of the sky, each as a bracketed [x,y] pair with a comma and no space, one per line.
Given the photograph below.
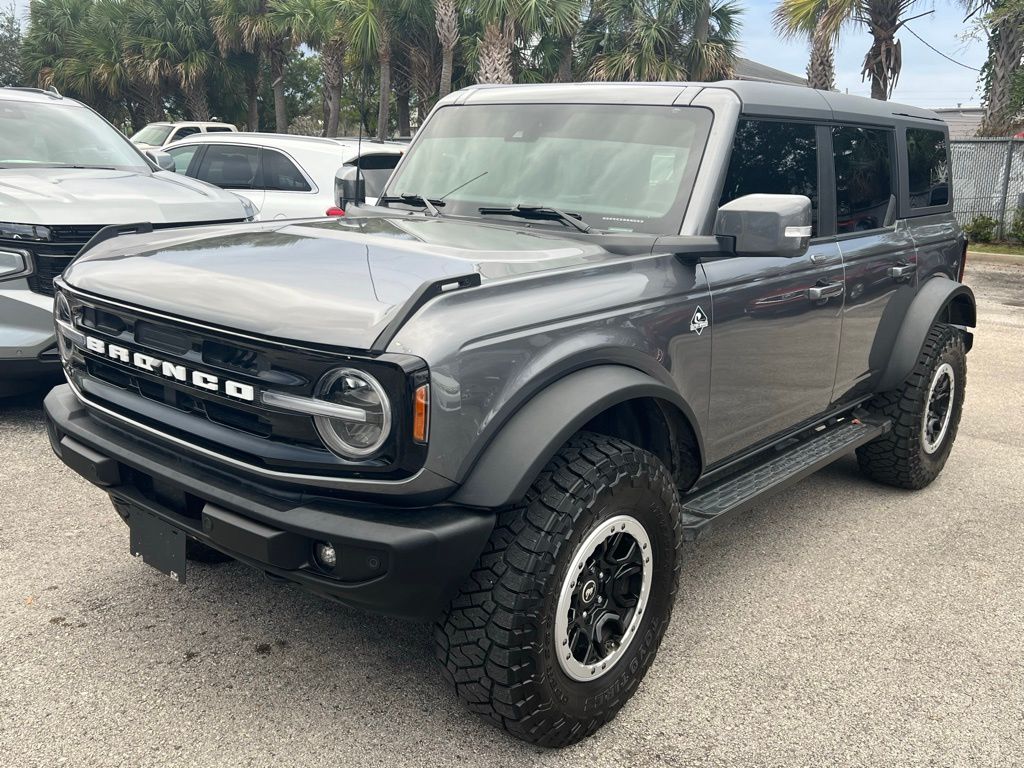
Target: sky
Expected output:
[928,80]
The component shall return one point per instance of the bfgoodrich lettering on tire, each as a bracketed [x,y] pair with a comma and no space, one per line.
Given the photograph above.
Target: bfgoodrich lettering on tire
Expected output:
[925,414]
[567,606]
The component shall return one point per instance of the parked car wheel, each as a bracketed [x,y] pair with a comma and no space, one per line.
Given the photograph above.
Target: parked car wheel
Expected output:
[925,414]
[566,608]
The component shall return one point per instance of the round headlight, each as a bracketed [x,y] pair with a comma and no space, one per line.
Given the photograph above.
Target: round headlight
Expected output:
[361,425]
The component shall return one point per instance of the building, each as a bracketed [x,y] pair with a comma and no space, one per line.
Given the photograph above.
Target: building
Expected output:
[963,122]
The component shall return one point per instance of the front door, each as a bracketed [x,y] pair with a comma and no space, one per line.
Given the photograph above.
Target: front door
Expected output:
[776,321]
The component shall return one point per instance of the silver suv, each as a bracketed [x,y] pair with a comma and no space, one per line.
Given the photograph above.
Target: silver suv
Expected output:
[65,173]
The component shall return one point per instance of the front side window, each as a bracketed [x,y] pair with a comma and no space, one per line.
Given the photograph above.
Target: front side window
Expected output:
[182,133]
[54,135]
[622,168]
[774,158]
[230,167]
[281,175]
[864,169]
[183,157]
[928,168]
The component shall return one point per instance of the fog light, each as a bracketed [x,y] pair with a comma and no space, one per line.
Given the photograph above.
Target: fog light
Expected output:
[326,555]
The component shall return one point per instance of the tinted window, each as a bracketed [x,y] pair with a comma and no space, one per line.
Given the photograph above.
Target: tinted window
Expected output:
[928,166]
[864,186]
[218,129]
[280,174]
[230,167]
[181,133]
[183,156]
[776,159]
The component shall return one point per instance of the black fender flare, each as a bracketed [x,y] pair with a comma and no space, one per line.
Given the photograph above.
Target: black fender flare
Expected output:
[534,434]
[933,300]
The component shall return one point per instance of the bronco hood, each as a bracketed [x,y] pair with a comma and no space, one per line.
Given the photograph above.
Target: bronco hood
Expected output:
[55,196]
[336,282]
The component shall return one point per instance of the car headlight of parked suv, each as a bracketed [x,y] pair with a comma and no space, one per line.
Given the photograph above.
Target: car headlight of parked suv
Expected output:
[361,421]
[14,263]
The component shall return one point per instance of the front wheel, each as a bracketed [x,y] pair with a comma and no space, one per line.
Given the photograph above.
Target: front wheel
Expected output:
[925,415]
[567,606]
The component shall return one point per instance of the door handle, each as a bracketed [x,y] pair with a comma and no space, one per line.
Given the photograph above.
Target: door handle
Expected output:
[900,271]
[828,291]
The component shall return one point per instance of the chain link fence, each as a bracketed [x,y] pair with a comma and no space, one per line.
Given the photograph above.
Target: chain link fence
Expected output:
[988,180]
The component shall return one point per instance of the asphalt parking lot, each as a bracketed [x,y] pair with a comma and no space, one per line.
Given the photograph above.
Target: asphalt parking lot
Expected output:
[840,623]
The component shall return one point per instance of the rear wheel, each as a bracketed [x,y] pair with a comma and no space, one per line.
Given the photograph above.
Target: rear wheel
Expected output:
[567,606]
[925,414]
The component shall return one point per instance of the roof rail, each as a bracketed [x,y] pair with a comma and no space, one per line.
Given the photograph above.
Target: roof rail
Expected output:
[52,92]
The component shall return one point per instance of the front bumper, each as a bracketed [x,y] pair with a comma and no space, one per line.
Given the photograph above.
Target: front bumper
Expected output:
[28,352]
[405,562]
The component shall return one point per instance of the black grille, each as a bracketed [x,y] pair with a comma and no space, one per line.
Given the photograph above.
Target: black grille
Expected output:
[261,436]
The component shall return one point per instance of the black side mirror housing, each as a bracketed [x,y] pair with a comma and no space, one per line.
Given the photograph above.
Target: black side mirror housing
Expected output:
[163,160]
[349,187]
[766,225]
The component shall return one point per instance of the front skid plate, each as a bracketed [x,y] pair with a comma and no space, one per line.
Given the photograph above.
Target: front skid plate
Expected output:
[157,543]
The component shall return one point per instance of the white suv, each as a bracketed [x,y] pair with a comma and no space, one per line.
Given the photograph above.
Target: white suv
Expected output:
[65,173]
[284,176]
[156,135]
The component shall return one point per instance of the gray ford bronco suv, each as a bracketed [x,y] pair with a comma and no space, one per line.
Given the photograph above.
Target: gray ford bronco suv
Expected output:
[583,324]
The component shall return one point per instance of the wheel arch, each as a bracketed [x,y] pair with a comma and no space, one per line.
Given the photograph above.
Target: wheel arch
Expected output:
[604,398]
[938,300]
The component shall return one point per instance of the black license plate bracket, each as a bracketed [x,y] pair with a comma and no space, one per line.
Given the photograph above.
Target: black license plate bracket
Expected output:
[157,543]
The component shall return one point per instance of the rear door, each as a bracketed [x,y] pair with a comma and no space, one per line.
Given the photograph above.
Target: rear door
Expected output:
[878,253]
[288,193]
[234,167]
[776,321]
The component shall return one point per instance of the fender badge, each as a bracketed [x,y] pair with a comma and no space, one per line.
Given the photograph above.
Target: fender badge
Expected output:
[699,322]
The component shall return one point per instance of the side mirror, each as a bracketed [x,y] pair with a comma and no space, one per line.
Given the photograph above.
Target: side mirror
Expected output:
[163,160]
[766,225]
[348,188]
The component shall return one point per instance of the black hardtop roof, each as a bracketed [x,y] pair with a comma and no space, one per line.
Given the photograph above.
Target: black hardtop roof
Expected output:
[756,98]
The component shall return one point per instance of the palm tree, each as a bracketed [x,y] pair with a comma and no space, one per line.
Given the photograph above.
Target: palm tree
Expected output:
[883,18]
[821,70]
[661,40]
[1004,69]
[246,26]
[446,21]
[371,25]
[320,25]
[494,51]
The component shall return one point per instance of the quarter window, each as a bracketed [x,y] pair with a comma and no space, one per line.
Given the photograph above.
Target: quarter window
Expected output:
[864,185]
[281,175]
[774,158]
[928,168]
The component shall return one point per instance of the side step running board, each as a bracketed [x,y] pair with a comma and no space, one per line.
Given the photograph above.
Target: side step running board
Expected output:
[703,508]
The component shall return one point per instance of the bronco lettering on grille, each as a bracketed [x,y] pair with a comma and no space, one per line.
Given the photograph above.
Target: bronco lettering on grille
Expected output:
[170,370]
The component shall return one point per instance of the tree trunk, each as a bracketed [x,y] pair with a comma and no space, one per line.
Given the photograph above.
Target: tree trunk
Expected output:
[384,109]
[252,90]
[277,64]
[197,106]
[494,61]
[402,103]
[821,69]
[884,59]
[446,20]
[332,59]
[1006,48]
[564,60]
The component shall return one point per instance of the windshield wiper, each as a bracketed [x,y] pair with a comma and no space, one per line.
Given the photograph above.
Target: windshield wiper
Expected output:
[539,212]
[409,199]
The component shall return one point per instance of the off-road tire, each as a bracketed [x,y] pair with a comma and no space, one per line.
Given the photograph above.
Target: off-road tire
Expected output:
[496,642]
[898,457]
[198,552]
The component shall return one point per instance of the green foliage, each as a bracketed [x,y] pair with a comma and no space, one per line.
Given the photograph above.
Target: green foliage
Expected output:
[10,48]
[982,229]
[1015,233]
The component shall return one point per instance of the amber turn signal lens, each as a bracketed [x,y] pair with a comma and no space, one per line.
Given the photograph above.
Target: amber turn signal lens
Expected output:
[421,414]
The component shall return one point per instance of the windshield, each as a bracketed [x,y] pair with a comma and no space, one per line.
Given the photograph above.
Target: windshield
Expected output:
[621,168]
[154,135]
[52,135]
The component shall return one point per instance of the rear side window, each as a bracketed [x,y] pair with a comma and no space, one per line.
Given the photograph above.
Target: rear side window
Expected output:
[181,133]
[281,175]
[230,167]
[864,170]
[774,158]
[928,168]
[218,129]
